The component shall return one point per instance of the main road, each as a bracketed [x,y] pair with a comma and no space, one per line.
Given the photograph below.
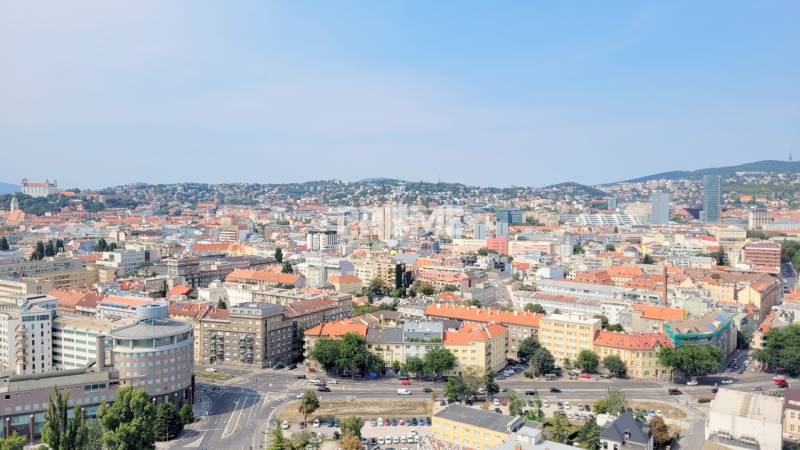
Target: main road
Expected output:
[241,409]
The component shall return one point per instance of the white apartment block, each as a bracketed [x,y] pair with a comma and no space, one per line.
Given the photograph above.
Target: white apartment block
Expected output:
[321,240]
[124,261]
[31,335]
[9,321]
[75,341]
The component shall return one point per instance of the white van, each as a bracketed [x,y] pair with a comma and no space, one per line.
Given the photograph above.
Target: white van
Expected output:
[403,391]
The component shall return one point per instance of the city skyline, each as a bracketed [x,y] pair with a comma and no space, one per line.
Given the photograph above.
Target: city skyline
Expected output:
[276,93]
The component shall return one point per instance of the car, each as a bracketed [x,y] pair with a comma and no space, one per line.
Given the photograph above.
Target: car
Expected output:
[404,391]
[420,422]
[337,422]
[211,369]
[496,402]
[427,390]
[413,422]
[285,425]
[546,404]
[316,423]
[497,410]
[373,441]
[315,381]
[396,440]
[715,390]
[503,402]
[585,375]
[387,422]
[401,421]
[530,392]
[299,396]
[427,421]
[301,425]
[373,422]
[323,389]
[330,423]
[301,377]
[393,422]
[380,441]
[555,390]
[587,408]
[674,391]
[405,382]
[567,405]
[402,439]
[727,381]
[692,383]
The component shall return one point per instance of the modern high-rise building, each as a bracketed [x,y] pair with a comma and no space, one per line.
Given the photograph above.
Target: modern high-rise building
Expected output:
[712,198]
[509,216]
[659,208]
[321,240]
[384,223]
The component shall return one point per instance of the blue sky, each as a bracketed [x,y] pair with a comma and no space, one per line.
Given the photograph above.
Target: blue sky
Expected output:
[102,93]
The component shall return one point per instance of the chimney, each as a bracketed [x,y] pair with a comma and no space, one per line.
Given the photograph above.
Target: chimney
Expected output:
[100,349]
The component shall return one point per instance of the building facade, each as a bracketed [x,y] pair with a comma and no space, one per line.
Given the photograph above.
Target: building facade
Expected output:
[712,198]
[565,336]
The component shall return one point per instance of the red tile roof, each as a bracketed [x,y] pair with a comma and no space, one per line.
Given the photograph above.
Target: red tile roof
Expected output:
[484,315]
[631,341]
[660,312]
[264,276]
[335,330]
[189,310]
[470,332]
[180,289]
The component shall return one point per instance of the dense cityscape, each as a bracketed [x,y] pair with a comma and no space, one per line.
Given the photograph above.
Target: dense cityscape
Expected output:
[392,314]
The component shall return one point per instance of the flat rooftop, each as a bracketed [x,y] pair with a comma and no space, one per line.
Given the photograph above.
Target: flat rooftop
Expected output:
[476,417]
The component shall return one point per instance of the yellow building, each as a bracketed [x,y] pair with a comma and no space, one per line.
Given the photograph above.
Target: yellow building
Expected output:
[69,279]
[477,347]
[465,427]
[565,336]
[639,351]
[791,414]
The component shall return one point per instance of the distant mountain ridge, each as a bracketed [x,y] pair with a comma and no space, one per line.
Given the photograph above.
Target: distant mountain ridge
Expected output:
[757,166]
[8,188]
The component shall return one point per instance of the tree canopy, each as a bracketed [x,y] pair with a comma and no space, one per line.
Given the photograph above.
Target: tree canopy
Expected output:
[535,308]
[527,348]
[615,366]
[348,355]
[542,361]
[691,360]
[168,423]
[612,403]
[781,350]
[128,421]
[587,361]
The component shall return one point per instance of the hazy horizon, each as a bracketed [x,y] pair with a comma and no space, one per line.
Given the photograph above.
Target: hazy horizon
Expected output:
[102,94]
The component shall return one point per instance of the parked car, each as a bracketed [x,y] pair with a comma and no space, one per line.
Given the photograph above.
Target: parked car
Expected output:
[674,391]
[530,392]
[555,390]
[285,425]
[316,423]
[323,388]
[692,382]
[405,382]
[211,369]
[727,381]
[330,423]
[427,390]
[585,375]
[301,377]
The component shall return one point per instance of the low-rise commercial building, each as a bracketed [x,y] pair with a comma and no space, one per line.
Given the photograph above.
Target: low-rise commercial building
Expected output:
[460,426]
[747,418]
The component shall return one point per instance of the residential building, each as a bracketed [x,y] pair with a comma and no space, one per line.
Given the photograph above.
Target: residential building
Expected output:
[331,330]
[75,341]
[791,414]
[460,426]
[124,262]
[266,278]
[443,276]
[659,208]
[477,348]
[625,432]
[26,344]
[763,256]
[715,328]
[745,418]
[521,325]
[63,273]
[13,288]
[318,268]
[649,318]
[191,313]
[250,334]
[565,336]
[322,241]
[346,284]
[712,198]
[39,189]
[639,352]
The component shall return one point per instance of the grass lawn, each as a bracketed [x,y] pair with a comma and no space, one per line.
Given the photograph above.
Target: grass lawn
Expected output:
[366,409]
[213,376]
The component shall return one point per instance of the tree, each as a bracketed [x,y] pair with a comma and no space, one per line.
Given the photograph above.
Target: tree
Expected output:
[221,304]
[90,434]
[415,365]
[287,267]
[535,308]
[308,404]
[474,302]
[186,414]
[424,288]
[587,361]
[438,361]
[304,440]
[13,442]
[661,436]
[612,403]
[351,426]
[278,254]
[4,243]
[542,361]
[603,320]
[38,252]
[535,412]
[49,249]
[167,424]
[102,245]
[647,259]
[54,433]
[350,443]
[559,429]
[129,420]
[326,353]
[483,251]
[781,351]
[514,403]
[450,288]
[615,327]
[610,248]
[577,249]
[527,348]
[589,435]
[279,442]
[489,385]
[397,366]
[376,289]
[691,360]
[615,366]
[720,256]
[456,389]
